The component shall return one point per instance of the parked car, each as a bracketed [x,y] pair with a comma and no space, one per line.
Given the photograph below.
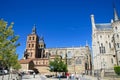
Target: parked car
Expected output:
[3,72]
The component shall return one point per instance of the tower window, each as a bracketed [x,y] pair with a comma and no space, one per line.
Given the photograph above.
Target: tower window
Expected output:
[32,45]
[41,46]
[29,38]
[33,38]
[29,45]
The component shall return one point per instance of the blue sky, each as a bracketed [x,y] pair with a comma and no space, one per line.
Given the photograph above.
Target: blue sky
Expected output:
[63,23]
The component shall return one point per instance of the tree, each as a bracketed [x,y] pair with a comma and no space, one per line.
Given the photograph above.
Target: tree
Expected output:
[8,45]
[57,65]
[117,70]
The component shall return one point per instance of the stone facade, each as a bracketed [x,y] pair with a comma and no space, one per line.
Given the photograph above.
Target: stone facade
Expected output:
[106,43]
[78,59]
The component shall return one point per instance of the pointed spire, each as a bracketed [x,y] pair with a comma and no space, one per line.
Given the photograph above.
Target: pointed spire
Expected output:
[116,18]
[34,29]
[93,22]
[86,43]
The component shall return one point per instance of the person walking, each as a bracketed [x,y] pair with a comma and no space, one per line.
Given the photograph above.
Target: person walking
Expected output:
[67,74]
[34,74]
[72,76]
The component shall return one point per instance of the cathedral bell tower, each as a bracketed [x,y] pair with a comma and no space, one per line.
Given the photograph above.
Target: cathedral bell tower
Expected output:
[31,45]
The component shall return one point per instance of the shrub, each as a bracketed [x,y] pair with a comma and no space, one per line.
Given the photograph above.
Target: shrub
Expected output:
[117,70]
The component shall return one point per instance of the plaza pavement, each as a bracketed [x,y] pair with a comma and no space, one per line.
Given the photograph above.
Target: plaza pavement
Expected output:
[42,77]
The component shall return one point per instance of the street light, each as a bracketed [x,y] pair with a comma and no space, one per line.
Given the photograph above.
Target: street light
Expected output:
[74,64]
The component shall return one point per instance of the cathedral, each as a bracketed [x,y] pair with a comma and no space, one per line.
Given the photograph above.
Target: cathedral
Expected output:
[37,56]
[106,43]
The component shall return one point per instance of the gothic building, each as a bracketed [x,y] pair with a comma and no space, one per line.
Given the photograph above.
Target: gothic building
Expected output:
[37,56]
[106,43]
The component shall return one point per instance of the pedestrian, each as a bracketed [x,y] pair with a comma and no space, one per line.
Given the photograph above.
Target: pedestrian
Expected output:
[20,75]
[72,76]
[67,74]
[59,76]
[77,77]
[34,74]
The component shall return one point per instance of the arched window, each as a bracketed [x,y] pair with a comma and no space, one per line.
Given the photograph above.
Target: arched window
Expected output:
[115,28]
[117,36]
[109,45]
[62,55]
[29,45]
[69,62]
[29,38]
[36,62]
[69,54]
[33,38]
[106,42]
[118,45]
[112,60]
[102,44]
[32,45]
[78,61]
[102,48]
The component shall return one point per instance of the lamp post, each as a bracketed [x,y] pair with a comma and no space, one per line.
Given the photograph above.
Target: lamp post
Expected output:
[74,60]
[74,65]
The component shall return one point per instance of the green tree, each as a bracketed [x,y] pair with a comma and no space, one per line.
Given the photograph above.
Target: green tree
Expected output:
[58,65]
[8,45]
[117,70]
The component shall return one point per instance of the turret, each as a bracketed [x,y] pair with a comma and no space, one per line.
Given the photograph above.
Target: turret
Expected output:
[116,17]
[93,22]
[41,42]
